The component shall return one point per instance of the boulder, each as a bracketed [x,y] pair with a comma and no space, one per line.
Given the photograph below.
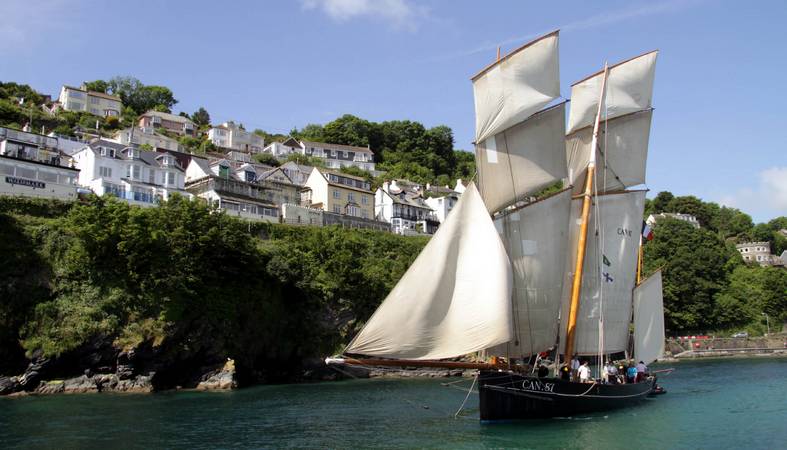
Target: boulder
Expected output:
[80,385]
[9,385]
[219,379]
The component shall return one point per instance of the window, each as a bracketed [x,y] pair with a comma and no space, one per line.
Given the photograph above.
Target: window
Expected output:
[364,200]
[94,101]
[250,176]
[365,214]
[337,209]
[47,176]
[336,194]
[134,172]
[24,172]
[95,111]
[6,169]
[133,153]
[224,171]
[105,172]
[350,197]
[169,178]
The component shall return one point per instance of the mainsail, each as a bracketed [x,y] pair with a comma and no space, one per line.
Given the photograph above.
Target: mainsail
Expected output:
[453,300]
[625,125]
[536,238]
[608,271]
[649,319]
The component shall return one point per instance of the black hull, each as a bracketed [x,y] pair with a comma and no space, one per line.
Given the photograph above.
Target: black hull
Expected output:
[510,396]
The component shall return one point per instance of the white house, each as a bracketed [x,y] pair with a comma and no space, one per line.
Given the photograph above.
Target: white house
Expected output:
[230,136]
[146,136]
[32,166]
[443,205]
[654,218]
[405,210]
[96,103]
[230,190]
[759,252]
[139,177]
[336,156]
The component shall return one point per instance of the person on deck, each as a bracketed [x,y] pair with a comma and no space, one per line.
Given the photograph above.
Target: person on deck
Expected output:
[642,371]
[584,372]
[574,367]
[622,373]
[631,374]
[565,373]
[610,373]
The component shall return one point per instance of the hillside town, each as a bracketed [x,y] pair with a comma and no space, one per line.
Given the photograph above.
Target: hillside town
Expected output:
[146,164]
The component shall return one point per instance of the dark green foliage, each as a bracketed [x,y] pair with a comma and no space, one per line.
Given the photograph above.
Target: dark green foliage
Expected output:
[267,158]
[277,137]
[201,117]
[139,97]
[97,86]
[306,160]
[188,280]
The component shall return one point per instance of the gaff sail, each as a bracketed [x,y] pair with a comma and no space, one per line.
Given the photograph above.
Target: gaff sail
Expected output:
[536,238]
[608,270]
[649,319]
[453,300]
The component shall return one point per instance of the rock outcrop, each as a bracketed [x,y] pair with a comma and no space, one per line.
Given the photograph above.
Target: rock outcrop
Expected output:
[222,378]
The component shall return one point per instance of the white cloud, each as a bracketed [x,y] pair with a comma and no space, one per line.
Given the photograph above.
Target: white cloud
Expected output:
[766,200]
[399,13]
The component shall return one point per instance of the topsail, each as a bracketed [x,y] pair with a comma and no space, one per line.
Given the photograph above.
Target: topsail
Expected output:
[649,319]
[453,300]
[625,124]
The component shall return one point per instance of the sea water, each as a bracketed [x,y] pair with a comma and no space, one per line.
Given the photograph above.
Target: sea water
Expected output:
[711,404]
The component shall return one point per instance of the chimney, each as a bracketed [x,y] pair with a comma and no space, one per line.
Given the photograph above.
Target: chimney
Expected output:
[386,186]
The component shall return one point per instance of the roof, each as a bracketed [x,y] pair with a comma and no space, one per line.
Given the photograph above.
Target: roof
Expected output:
[350,148]
[167,116]
[95,93]
[105,143]
[342,174]
[409,199]
[265,175]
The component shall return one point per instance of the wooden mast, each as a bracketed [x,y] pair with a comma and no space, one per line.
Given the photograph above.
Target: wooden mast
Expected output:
[587,195]
[639,261]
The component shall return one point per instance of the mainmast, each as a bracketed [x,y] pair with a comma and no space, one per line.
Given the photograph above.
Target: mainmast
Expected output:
[587,194]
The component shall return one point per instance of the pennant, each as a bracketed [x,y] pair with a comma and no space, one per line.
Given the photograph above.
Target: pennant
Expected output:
[647,231]
[606,261]
[608,278]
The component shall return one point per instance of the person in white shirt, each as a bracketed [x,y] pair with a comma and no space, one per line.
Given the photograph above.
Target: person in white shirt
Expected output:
[584,373]
[642,369]
[610,373]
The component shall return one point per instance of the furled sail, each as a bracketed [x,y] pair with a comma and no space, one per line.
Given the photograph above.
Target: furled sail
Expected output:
[515,87]
[629,89]
[522,159]
[454,299]
[620,162]
[536,238]
[608,271]
[649,320]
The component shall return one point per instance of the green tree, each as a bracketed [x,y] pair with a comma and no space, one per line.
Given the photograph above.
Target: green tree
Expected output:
[97,86]
[267,158]
[139,97]
[695,265]
[201,117]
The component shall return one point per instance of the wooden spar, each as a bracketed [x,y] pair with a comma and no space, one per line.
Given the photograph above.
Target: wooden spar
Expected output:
[417,363]
[639,262]
[498,53]
[576,287]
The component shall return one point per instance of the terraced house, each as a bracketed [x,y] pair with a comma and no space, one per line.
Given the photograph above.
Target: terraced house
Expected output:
[233,190]
[230,136]
[179,125]
[139,177]
[336,156]
[32,166]
[339,193]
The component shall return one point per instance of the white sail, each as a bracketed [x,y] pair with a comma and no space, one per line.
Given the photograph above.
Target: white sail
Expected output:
[455,298]
[629,89]
[621,164]
[649,320]
[536,238]
[613,279]
[522,159]
[514,88]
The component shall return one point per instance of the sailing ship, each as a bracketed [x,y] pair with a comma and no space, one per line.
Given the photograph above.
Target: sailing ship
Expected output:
[512,274]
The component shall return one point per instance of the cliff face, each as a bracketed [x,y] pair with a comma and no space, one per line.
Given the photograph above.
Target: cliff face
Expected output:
[110,297]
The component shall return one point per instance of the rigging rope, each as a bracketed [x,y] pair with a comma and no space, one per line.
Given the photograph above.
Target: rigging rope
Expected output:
[470,391]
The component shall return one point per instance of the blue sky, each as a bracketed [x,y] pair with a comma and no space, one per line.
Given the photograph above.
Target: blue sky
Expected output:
[719,93]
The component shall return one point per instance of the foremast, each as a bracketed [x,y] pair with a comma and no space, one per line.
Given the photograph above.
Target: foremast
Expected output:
[587,198]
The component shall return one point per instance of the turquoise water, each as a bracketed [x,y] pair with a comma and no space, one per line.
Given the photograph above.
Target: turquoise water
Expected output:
[711,404]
